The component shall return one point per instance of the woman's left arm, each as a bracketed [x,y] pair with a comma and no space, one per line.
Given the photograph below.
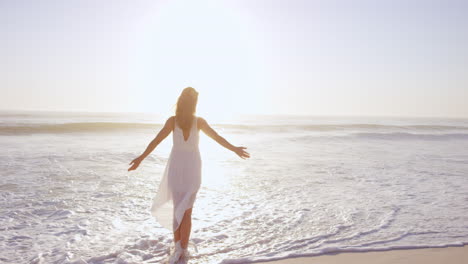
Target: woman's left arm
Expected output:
[163,133]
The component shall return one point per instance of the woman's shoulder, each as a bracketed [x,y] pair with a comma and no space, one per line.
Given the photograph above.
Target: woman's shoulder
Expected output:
[171,121]
[201,122]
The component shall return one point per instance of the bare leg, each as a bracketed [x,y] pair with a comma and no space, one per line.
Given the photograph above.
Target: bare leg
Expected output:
[176,200]
[177,235]
[185,228]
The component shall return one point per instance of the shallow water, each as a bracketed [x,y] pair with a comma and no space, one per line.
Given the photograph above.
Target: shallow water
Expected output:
[313,185]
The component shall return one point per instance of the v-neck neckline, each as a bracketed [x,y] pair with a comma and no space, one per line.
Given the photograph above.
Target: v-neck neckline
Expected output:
[183,137]
[185,140]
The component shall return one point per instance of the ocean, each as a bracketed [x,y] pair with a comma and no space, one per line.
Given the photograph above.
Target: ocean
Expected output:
[313,186]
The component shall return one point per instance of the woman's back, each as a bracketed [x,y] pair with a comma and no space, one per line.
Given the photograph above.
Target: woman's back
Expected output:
[188,140]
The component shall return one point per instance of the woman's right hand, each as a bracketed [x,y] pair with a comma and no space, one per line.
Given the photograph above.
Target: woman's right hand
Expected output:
[136,162]
[241,152]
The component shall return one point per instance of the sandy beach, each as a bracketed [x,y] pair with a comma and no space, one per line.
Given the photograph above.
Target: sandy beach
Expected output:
[452,255]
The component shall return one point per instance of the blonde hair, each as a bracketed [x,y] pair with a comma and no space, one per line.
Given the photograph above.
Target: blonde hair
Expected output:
[186,107]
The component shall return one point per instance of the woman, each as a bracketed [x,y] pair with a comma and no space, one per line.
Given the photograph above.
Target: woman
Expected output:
[181,179]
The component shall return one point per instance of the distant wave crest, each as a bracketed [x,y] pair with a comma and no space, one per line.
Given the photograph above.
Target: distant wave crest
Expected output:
[348,127]
[412,136]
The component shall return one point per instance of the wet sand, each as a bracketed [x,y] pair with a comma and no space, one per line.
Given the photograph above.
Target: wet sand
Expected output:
[449,255]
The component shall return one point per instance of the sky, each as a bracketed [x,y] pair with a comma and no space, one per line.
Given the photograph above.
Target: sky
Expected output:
[371,58]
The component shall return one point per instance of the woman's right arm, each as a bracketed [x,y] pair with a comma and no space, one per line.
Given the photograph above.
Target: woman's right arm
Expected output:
[209,131]
[165,131]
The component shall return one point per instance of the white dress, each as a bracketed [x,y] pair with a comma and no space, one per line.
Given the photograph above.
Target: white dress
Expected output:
[181,179]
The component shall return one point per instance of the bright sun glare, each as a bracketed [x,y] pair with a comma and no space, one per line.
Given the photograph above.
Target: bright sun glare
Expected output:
[205,45]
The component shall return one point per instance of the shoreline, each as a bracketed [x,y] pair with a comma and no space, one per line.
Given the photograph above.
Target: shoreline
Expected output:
[436,255]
